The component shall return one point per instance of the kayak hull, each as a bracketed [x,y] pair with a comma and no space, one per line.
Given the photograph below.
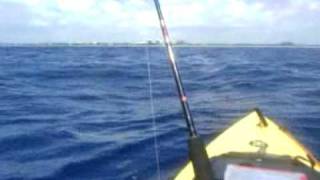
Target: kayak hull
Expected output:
[257,135]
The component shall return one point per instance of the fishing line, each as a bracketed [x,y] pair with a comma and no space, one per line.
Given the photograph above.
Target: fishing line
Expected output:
[154,123]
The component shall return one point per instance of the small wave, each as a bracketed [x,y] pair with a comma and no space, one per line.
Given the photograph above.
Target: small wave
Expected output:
[84,113]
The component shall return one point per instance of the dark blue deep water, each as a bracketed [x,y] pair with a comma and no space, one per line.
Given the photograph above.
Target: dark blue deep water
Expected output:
[84,112]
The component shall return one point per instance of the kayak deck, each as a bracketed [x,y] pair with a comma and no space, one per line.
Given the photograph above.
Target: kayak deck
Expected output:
[266,164]
[256,134]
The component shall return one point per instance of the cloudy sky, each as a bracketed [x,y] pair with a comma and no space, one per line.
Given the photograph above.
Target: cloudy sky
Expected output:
[215,21]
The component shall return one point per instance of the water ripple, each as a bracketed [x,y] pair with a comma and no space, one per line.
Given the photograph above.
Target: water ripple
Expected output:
[84,113]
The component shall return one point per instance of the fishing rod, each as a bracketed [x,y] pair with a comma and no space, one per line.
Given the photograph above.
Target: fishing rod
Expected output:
[197,152]
[176,74]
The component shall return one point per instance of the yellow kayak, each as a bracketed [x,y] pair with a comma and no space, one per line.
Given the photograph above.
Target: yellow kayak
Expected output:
[254,148]
[256,141]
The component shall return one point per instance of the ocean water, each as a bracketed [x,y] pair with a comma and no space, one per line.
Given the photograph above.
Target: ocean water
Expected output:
[85,112]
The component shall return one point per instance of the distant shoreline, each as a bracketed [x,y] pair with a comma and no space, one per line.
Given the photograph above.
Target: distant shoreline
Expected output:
[157,45]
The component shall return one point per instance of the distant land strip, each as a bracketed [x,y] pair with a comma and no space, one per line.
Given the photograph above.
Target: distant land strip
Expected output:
[158,44]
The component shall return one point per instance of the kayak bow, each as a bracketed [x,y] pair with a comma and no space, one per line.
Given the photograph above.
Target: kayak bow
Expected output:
[257,141]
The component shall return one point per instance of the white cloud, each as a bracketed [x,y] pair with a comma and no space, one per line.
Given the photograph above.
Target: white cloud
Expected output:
[78,6]
[138,17]
[315,6]
[237,8]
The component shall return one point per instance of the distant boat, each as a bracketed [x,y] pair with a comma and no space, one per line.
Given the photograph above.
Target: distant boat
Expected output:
[287,44]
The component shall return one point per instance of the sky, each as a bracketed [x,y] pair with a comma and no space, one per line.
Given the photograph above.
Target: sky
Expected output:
[201,21]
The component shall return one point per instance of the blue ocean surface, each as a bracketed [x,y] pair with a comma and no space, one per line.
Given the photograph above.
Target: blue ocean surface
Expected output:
[85,112]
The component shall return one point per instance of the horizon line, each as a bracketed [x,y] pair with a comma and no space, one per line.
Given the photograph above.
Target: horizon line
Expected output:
[159,43]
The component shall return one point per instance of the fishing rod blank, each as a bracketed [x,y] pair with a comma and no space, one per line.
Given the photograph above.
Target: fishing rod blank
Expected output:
[176,73]
[197,153]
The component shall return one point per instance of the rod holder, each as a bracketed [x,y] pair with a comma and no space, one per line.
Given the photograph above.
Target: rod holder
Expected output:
[199,158]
